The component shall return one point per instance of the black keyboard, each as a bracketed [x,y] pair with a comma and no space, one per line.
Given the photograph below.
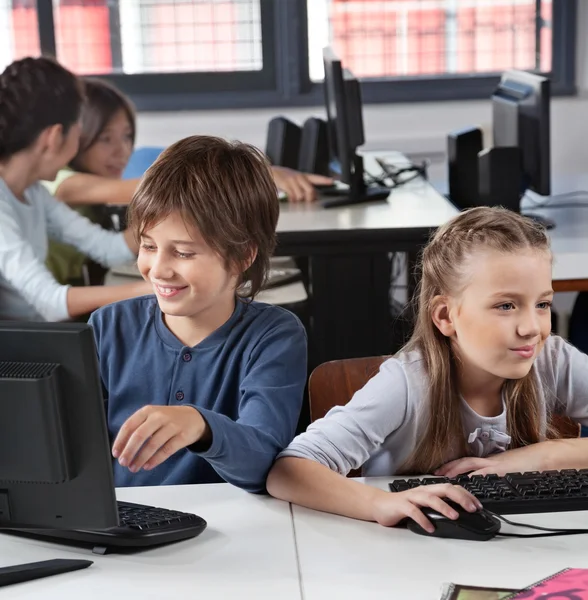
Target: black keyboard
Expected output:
[516,493]
[140,527]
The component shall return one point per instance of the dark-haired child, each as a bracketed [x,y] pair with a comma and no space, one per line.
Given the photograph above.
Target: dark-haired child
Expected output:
[39,108]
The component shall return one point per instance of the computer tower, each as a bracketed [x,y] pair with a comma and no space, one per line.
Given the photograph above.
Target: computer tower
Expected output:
[499,177]
[463,148]
[314,147]
[283,142]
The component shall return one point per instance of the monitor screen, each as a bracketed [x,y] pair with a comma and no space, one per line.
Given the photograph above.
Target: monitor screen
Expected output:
[521,117]
[55,462]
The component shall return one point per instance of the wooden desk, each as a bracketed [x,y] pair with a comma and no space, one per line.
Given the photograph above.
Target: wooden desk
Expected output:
[246,552]
[347,559]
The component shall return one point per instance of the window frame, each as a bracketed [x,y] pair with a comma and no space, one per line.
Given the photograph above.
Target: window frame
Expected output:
[284,79]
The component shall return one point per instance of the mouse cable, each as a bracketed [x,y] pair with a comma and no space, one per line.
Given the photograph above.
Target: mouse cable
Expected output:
[551,532]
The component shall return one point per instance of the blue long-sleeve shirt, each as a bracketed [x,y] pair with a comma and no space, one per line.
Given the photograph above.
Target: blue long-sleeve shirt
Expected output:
[246,379]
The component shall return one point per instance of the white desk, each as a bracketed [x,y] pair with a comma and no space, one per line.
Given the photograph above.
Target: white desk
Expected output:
[259,548]
[414,205]
[569,238]
[347,559]
[348,250]
[246,552]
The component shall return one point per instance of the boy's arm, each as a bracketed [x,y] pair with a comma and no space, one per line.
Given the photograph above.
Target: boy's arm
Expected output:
[243,451]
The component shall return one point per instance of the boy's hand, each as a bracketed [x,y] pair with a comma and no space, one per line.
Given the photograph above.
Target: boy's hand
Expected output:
[154,433]
[391,508]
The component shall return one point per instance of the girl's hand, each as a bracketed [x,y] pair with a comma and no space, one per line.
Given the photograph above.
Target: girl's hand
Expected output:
[154,433]
[298,186]
[392,508]
[519,460]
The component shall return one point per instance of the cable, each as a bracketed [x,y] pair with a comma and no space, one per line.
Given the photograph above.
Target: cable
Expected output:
[392,177]
[551,531]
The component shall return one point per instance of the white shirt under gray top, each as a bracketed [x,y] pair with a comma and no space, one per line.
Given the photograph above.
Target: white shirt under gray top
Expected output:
[28,290]
[379,428]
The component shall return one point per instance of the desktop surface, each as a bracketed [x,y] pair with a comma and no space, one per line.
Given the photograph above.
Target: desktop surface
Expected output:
[349,559]
[246,552]
[260,548]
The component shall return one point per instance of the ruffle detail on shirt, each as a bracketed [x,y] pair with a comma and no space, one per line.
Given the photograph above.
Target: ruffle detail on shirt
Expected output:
[487,440]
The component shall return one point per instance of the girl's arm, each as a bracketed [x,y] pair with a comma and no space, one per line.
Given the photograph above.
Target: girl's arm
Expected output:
[83,300]
[544,456]
[310,484]
[66,225]
[23,270]
[84,188]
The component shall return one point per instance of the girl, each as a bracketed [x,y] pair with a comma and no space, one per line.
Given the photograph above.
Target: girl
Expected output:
[106,144]
[39,108]
[94,175]
[472,391]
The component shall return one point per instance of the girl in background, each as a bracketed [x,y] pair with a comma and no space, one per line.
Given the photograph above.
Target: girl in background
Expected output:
[40,104]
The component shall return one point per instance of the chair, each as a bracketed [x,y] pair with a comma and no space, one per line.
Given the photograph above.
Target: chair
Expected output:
[141,159]
[334,383]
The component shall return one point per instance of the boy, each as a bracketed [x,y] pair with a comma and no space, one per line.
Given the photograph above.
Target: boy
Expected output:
[203,384]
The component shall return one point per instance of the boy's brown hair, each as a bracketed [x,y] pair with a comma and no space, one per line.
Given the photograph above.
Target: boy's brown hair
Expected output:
[225,189]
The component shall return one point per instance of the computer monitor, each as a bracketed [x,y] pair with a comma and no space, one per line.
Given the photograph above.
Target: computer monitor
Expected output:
[345,132]
[520,107]
[55,463]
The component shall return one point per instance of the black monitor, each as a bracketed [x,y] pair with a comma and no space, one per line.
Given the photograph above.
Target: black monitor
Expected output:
[521,119]
[520,107]
[345,133]
[55,463]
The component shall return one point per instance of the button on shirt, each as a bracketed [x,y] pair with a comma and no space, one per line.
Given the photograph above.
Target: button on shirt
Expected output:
[246,379]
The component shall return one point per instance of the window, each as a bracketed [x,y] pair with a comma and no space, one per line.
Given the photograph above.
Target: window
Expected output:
[175,54]
[430,37]
[18,30]
[158,36]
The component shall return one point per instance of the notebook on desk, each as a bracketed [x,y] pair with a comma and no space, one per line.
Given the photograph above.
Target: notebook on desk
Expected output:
[567,583]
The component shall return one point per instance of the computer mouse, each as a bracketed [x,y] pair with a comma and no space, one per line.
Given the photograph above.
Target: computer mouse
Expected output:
[477,526]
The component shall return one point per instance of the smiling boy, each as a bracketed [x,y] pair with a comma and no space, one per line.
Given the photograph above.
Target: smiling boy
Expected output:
[203,384]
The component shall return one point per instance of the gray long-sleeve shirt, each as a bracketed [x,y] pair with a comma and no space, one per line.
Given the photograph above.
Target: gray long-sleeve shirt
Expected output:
[380,427]
[28,291]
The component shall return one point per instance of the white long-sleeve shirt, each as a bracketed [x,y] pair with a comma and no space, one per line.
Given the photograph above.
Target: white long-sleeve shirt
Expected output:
[382,424]
[28,290]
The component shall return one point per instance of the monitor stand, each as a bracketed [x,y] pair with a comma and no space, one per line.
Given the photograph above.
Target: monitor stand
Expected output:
[38,570]
[358,192]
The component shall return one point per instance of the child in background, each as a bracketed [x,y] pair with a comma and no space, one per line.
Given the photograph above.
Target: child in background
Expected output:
[39,108]
[106,143]
[94,175]
[203,384]
[473,391]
